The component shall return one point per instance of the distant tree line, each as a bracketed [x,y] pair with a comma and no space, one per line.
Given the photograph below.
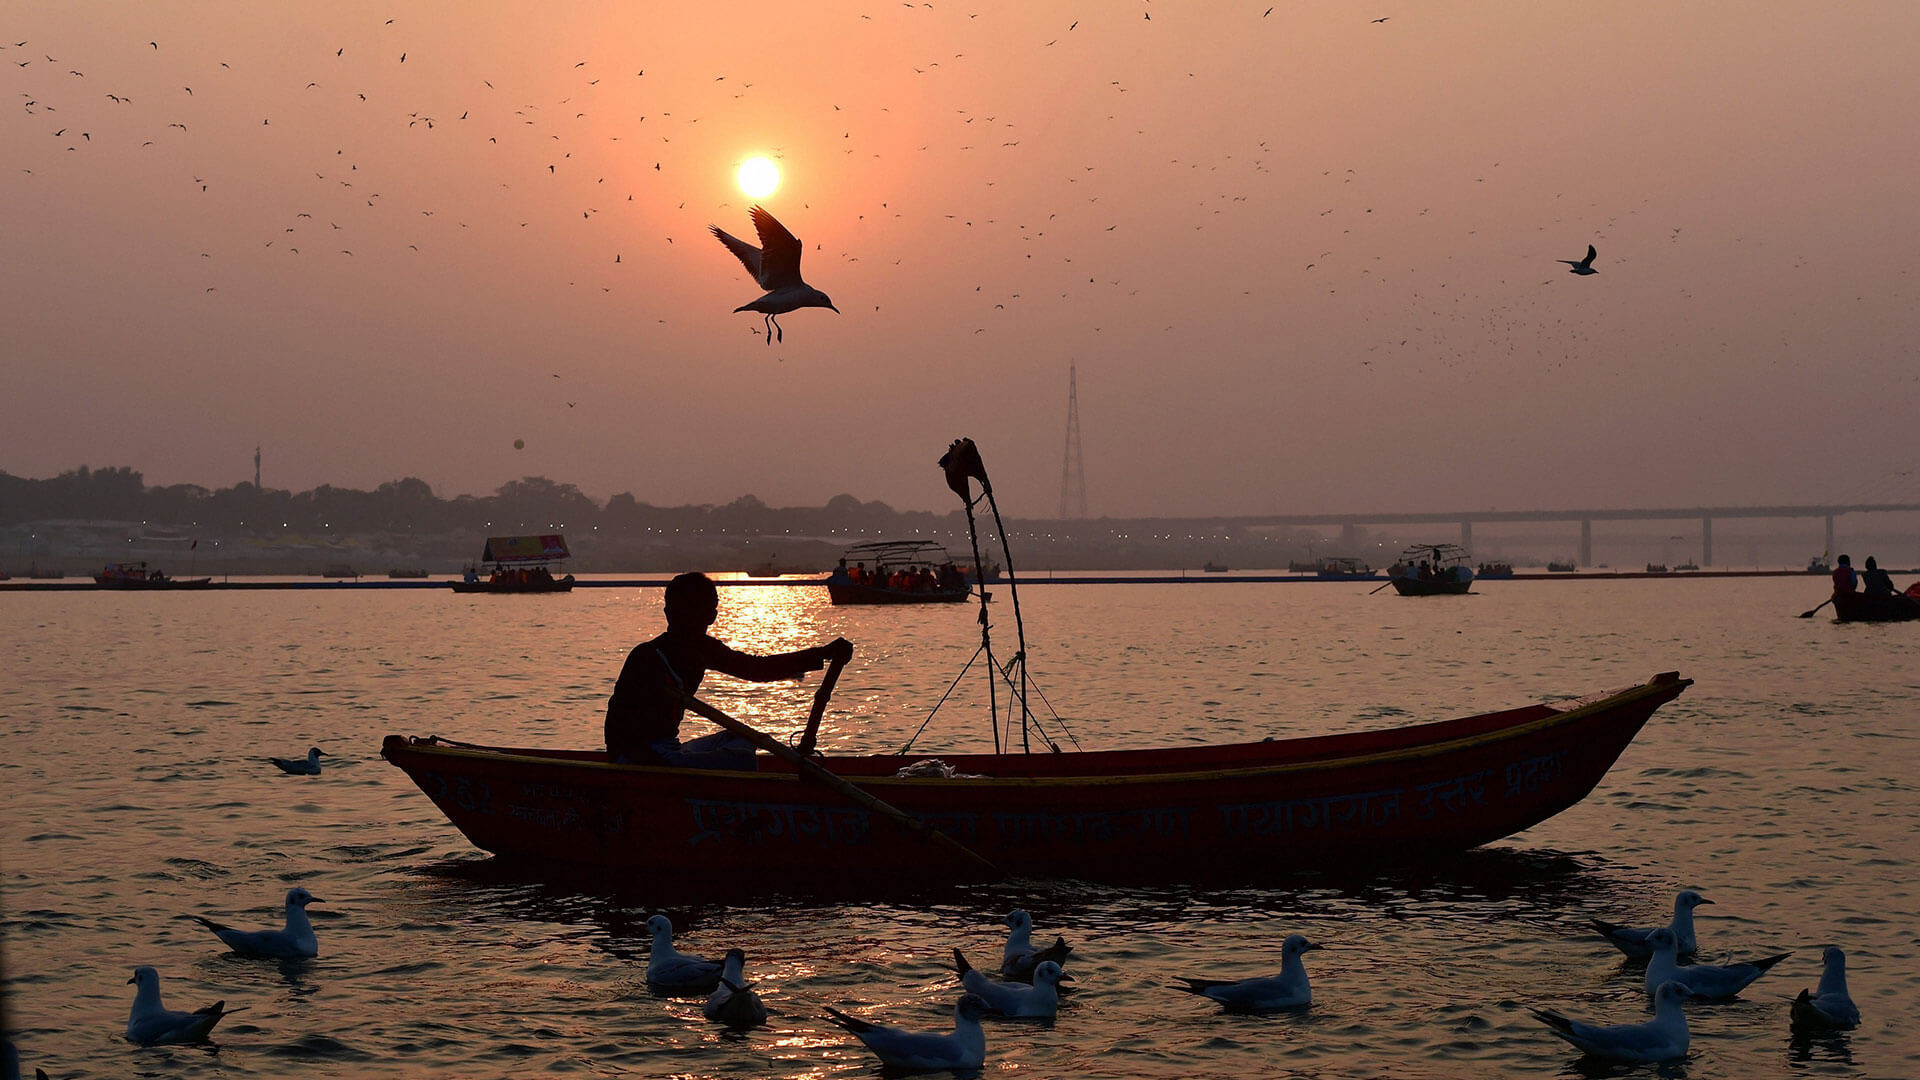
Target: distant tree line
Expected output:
[530,504]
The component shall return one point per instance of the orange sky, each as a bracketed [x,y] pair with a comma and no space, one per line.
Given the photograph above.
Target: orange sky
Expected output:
[1304,261]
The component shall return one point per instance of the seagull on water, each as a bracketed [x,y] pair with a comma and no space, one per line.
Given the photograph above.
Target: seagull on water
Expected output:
[295,942]
[965,1048]
[672,971]
[1633,940]
[1710,981]
[733,1002]
[1662,1038]
[1582,266]
[1287,990]
[1042,999]
[1829,1007]
[775,266]
[1018,958]
[306,766]
[153,1024]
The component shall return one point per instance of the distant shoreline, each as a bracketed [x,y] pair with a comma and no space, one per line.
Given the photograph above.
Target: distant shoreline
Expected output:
[1041,578]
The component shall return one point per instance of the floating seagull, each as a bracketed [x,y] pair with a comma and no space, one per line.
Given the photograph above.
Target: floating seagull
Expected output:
[295,942]
[307,766]
[1633,940]
[1042,999]
[965,1048]
[153,1024]
[775,266]
[733,1002]
[1829,1007]
[1584,266]
[1287,990]
[1019,958]
[1662,1038]
[1711,981]
[672,971]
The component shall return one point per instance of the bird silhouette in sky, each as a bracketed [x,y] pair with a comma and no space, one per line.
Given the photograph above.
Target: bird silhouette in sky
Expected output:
[1584,266]
[775,266]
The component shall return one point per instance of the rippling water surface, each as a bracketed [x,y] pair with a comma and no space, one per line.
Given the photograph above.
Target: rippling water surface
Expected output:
[135,793]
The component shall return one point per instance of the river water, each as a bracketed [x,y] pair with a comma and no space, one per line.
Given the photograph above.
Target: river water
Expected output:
[136,793]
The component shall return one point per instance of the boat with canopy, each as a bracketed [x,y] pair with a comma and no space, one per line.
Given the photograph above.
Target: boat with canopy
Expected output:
[1432,570]
[1240,811]
[897,572]
[518,564]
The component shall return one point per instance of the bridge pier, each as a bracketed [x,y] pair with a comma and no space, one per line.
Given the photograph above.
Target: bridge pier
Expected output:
[1350,538]
[1586,543]
[1466,536]
[1706,541]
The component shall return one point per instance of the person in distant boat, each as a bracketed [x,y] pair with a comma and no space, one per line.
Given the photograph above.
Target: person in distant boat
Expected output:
[1875,581]
[643,715]
[1844,580]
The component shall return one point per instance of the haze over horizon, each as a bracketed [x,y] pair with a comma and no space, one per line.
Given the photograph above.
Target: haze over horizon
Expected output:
[1303,261]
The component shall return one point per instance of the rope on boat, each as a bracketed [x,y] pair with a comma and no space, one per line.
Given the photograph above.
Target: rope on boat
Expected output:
[943,701]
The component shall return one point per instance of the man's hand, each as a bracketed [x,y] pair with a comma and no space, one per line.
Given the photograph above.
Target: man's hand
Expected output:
[838,651]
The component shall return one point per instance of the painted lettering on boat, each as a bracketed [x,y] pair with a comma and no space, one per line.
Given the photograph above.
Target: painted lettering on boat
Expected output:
[756,823]
[1534,773]
[464,792]
[1451,795]
[1366,809]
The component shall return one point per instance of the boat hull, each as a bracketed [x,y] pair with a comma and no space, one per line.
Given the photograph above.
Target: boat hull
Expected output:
[149,584]
[1859,607]
[1409,586]
[850,593]
[1242,812]
[564,584]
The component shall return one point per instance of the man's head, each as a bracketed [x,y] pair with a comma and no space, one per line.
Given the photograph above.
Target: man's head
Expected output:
[692,602]
[1871,565]
[1845,561]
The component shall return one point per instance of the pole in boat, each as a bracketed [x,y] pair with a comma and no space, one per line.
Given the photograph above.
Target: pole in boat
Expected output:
[815,771]
[962,463]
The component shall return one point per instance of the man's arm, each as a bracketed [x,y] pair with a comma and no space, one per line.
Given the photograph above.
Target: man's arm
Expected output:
[790,665]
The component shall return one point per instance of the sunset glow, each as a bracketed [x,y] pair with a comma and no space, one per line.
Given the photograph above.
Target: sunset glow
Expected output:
[758,177]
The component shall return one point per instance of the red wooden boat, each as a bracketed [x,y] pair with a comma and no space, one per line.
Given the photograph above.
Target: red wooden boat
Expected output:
[1244,811]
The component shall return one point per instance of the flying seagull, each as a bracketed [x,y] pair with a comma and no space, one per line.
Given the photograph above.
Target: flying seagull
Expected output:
[775,266]
[1584,266]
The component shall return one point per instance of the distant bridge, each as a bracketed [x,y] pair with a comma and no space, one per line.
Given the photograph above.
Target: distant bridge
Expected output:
[1350,523]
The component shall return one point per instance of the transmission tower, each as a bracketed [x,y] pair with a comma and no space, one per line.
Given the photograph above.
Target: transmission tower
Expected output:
[1073,475]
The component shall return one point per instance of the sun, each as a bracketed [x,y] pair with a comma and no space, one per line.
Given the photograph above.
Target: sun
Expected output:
[758,177]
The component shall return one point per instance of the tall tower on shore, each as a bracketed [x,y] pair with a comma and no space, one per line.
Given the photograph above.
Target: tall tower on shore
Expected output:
[256,466]
[1073,475]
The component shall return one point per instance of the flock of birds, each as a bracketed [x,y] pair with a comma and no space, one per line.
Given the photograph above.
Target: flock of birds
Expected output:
[1027,986]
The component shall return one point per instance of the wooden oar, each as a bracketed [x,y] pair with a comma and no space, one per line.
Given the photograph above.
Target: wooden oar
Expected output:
[1389,582]
[820,697]
[814,771]
[1808,614]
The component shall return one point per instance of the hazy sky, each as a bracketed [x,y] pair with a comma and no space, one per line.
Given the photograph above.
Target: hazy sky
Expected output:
[1304,261]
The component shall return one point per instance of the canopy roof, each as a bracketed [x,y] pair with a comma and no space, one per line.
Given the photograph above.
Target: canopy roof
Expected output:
[515,549]
[1436,553]
[898,553]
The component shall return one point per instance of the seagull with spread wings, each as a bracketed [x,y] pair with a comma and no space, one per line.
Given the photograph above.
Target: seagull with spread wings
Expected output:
[1582,266]
[775,266]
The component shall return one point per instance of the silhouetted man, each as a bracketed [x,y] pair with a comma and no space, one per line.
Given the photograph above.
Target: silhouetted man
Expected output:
[1875,581]
[1843,576]
[643,715]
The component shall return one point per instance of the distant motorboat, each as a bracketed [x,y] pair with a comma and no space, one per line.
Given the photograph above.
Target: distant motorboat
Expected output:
[1494,570]
[1343,568]
[518,564]
[1819,565]
[902,572]
[339,570]
[1211,567]
[1567,567]
[398,572]
[136,575]
[1685,566]
[1656,568]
